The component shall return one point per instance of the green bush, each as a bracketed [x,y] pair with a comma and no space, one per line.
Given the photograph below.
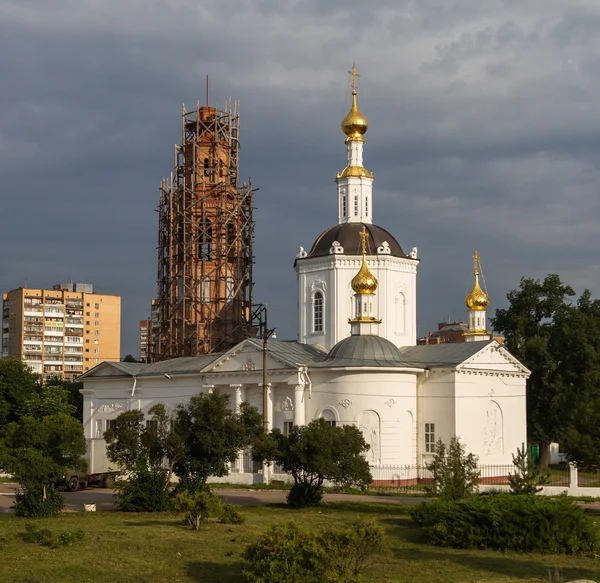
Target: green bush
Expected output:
[231,515]
[38,501]
[198,506]
[47,538]
[302,495]
[454,472]
[287,554]
[144,491]
[527,477]
[508,522]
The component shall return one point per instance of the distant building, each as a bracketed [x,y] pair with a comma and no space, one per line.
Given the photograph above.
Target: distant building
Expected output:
[446,332]
[61,332]
[145,333]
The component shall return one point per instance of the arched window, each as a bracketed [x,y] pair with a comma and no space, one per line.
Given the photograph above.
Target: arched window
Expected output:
[366,207]
[318,312]
[205,240]
[329,417]
[343,205]
[355,205]
[206,167]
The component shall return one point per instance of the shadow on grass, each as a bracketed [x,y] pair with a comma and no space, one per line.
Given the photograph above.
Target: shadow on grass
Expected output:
[215,572]
[514,565]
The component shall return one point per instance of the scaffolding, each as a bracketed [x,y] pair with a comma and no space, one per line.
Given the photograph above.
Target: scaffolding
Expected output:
[205,241]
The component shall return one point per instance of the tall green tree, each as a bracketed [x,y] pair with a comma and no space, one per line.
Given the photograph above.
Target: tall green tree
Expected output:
[212,434]
[559,341]
[17,385]
[315,453]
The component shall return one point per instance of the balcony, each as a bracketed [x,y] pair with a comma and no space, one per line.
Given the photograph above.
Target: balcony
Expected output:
[34,329]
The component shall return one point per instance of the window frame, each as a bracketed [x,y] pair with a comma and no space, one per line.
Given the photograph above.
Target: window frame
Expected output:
[318,312]
[429,439]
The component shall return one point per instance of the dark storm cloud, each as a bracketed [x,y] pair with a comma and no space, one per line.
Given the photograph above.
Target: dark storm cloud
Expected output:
[484,134]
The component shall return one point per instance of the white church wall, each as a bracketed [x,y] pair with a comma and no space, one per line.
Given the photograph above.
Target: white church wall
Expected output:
[382,405]
[491,414]
[394,303]
[437,408]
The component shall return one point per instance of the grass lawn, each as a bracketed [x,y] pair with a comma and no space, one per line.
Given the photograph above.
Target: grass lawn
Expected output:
[128,548]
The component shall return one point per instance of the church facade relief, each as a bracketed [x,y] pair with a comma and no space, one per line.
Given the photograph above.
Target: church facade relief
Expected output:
[370,425]
[493,437]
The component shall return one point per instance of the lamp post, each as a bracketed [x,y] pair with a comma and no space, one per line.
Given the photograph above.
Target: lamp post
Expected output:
[266,335]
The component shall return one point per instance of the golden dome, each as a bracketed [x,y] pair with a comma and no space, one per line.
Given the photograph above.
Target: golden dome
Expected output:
[355,124]
[364,282]
[477,299]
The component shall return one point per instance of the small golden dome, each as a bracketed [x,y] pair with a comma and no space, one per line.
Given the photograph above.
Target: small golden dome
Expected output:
[477,299]
[364,282]
[355,124]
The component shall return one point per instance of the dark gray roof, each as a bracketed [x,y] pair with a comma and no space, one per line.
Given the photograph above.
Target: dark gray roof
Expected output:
[182,364]
[348,236]
[441,355]
[364,350]
[292,351]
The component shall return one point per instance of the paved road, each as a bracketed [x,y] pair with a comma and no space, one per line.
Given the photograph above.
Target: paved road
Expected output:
[104,498]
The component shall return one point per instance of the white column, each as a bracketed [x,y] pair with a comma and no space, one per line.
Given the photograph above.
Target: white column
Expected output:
[239,397]
[299,408]
[270,399]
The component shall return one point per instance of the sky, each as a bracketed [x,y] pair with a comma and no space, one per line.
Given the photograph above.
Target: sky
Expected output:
[484,134]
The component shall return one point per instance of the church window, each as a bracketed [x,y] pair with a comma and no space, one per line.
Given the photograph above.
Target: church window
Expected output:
[206,167]
[318,312]
[343,205]
[205,240]
[329,417]
[429,437]
[355,206]
[366,207]
[287,427]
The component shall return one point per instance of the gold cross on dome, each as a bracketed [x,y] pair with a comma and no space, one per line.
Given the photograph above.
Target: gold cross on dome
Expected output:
[355,77]
[476,262]
[363,239]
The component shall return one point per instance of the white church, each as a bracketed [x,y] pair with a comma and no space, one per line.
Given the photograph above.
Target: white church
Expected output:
[355,361]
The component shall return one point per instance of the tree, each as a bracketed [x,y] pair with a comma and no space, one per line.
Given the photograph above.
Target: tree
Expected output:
[17,384]
[73,392]
[560,344]
[132,443]
[527,477]
[581,441]
[36,451]
[454,472]
[129,358]
[317,452]
[212,436]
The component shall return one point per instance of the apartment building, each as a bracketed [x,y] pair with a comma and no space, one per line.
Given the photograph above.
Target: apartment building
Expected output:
[145,331]
[62,332]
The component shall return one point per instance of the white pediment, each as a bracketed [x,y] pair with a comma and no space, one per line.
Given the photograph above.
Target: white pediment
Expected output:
[106,369]
[494,357]
[246,357]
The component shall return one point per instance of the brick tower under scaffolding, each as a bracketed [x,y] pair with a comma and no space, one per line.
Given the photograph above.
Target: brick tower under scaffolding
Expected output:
[205,241]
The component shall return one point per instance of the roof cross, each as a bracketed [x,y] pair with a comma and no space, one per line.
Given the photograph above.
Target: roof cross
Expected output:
[355,77]
[364,235]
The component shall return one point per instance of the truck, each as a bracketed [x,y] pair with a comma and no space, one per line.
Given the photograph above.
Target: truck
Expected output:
[98,472]
[74,480]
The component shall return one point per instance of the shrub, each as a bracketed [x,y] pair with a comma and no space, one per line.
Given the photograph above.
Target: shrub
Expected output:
[144,491]
[198,506]
[38,501]
[47,538]
[508,522]
[527,477]
[302,495]
[454,473]
[287,554]
[231,515]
